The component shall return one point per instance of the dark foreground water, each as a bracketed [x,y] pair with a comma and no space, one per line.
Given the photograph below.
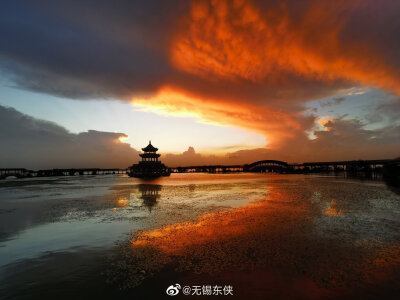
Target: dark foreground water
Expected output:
[265,236]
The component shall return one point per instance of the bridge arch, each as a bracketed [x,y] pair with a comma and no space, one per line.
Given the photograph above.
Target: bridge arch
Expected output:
[267,165]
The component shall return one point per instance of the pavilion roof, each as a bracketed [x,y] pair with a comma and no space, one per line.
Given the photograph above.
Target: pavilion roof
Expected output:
[150,148]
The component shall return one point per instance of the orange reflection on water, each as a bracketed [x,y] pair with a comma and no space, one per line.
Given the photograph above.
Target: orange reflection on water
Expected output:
[332,210]
[388,257]
[221,226]
[286,231]
[123,202]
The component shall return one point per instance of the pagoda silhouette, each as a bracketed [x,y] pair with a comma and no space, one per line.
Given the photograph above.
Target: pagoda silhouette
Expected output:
[150,166]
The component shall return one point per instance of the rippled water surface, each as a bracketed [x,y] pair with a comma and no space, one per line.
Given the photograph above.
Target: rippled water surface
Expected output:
[278,236]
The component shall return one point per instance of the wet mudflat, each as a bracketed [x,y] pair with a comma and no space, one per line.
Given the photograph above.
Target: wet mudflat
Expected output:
[267,236]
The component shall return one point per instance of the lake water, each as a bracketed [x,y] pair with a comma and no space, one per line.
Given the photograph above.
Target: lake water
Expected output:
[277,236]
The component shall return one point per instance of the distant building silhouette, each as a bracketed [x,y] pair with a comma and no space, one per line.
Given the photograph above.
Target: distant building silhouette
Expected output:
[150,166]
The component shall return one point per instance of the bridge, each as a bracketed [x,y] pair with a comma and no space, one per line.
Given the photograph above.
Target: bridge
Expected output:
[348,166]
[24,173]
[268,166]
[275,166]
[209,169]
[15,172]
[73,172]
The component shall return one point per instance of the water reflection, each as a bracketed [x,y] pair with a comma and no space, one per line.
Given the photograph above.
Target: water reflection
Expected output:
[393,182]
[222,226]
[333,209]
[130,196]
[291,225]
[123,202]
[150,194]
[246,221]
[34,214]
[391,177]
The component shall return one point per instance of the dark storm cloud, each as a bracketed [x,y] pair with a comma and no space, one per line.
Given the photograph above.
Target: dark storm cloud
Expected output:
[86,49]
[31,143]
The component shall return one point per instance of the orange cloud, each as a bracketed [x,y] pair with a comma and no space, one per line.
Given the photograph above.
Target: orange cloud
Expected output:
[274,124]
[236,40]
[247,64]
[325,122]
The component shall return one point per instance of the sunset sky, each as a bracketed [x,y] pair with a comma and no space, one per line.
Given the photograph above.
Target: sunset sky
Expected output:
[88,83]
